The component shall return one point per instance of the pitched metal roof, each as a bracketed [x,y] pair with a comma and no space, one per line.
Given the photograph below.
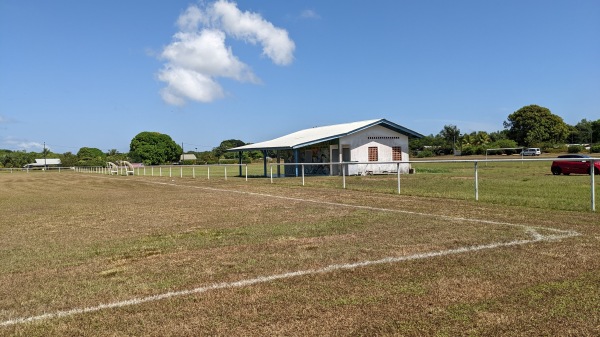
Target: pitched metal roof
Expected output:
[188,156]
[320,134]
[47,161]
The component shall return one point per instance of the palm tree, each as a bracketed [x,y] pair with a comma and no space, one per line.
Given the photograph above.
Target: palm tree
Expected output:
[481,138]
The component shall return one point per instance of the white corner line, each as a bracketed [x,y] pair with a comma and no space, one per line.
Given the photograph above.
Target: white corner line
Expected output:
[372,208]
[536,237]
[265,279]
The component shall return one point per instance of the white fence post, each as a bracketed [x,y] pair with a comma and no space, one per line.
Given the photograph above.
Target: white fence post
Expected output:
[302,167]
[225,172]
[246,172]
[344,175]
[398,171]
[271,173]
[208,167]
[476,183]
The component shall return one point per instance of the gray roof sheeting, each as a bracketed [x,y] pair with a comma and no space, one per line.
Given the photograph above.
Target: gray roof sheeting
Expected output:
[320,134]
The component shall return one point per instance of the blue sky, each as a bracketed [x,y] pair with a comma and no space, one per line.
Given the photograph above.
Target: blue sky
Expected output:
[96,73]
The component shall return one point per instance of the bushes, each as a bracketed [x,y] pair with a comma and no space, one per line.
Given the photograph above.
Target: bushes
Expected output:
[595,149]
[553,149]
[425,154]
[471,150]
[574,148]
[235,161]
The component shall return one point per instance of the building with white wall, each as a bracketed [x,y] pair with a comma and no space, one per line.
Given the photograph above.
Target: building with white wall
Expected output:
[365,147]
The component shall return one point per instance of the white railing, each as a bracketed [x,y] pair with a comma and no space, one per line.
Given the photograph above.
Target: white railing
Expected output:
[343,167]
[34,169]
[168,170]
[302,170]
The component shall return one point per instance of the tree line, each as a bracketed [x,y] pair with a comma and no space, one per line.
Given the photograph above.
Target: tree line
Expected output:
[530,126]
[149,148]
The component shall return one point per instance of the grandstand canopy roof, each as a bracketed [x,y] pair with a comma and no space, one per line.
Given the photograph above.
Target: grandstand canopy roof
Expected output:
[320,134]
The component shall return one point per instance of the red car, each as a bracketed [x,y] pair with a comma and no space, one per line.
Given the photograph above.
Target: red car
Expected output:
[581,166]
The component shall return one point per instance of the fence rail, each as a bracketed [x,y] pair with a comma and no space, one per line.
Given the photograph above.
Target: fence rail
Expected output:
[304,169]
[344,168]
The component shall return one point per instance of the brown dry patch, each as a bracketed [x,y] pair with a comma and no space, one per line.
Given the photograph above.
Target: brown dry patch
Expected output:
[82,240]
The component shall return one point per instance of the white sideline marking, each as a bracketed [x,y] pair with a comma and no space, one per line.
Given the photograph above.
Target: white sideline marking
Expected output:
[265,279]
[320,202]
[536,237]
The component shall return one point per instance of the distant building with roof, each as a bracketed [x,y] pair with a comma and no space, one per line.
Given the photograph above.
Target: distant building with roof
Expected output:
[44,162]
[187,156]
[371,142]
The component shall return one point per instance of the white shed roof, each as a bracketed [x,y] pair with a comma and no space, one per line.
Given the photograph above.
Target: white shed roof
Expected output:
[188,156]
[323,133]
[44,162]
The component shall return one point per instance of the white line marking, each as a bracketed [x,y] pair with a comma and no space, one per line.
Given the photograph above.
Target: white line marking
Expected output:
[536,237]
[371,208]
[265,279]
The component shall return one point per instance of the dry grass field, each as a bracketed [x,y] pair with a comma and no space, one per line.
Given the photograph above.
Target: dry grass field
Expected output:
[90,254]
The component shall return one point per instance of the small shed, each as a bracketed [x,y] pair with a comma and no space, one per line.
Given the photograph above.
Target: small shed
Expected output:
[370,141]
[44,162]
[187,156]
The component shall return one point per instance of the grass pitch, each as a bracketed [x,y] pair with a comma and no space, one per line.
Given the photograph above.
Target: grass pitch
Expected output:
[71,242]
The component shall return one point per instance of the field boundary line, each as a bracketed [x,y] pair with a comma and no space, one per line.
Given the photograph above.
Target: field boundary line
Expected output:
[265,279]
[531,230]
[373,208]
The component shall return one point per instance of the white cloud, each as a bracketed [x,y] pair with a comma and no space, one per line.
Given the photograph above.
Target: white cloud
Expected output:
[205,53]
[309,14]
[21,144]
[184,83]
[198,54]
[251,27]
[190,20]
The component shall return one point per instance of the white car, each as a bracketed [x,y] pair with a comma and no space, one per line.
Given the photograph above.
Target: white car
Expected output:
[532,151]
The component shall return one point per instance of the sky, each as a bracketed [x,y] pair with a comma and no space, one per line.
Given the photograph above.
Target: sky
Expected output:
[96,73]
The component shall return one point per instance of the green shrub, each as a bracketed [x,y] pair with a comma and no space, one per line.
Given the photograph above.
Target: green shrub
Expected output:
[575,149]
[553,149]
[467,151]
[425,154]
[595,149]
[236,161]
[479,150]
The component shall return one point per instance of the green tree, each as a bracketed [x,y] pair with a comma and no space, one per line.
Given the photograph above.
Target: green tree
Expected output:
[154,148]
[68,159]
[225,145]
[585,132]
[435,145]
[595,138]
[114,156]
[533,124]
[482,138]
[451,133]
[206,157]
[90,156]
[10,158]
